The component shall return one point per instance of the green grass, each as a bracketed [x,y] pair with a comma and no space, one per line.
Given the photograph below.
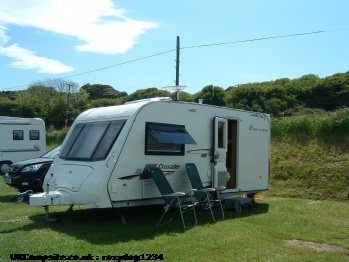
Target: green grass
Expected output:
[252,235]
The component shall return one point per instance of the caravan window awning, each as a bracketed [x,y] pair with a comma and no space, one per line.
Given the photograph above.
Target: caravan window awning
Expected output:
[171,134]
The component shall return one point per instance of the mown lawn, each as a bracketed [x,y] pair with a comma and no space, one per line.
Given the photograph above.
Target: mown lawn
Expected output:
[263,234]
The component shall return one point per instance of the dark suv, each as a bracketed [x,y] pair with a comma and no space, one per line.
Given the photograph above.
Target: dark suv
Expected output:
[29,174]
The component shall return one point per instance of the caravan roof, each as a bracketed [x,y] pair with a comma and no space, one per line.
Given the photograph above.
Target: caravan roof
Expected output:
[124,110]
[7,120]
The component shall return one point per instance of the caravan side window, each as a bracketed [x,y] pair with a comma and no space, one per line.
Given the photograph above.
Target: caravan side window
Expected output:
[34,135]
[92,141]
[166,139]
[18,135]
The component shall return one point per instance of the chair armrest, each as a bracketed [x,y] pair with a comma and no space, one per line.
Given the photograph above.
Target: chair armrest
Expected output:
[207,190]
[191,190]
[220,188]
[176,194]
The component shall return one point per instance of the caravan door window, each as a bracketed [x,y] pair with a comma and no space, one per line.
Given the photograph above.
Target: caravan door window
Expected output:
[166,139]
[92,141]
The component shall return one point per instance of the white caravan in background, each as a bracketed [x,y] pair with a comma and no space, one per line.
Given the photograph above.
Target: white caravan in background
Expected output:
[20,139]
[106,154]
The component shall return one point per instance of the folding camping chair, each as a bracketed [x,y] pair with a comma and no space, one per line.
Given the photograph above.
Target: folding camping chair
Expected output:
[208,198]
[173,200]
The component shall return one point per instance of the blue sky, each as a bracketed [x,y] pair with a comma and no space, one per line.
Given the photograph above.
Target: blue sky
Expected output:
[131,45]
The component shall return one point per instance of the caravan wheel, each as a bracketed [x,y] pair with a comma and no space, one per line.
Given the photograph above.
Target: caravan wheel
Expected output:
[4,167]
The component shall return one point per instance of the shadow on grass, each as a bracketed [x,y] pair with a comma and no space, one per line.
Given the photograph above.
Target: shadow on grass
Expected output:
[103,226]
[7,198]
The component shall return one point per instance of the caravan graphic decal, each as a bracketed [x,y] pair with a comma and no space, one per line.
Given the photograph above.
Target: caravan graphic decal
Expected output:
[129,177]
[252,128]
[175,166]
[166,169]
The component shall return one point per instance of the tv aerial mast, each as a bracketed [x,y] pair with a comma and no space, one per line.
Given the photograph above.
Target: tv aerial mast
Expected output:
[177,87]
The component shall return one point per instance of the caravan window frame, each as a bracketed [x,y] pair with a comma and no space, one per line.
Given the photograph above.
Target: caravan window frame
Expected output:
[34,134]
[18,135]
[157,133]
[92,141]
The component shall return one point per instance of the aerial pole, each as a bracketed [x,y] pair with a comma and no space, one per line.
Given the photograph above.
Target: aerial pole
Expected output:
[177,62]
[177,67]
[177,87]
[67,107]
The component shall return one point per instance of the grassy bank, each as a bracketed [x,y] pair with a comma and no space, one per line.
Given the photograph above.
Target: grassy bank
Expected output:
[310,168]
[310,155]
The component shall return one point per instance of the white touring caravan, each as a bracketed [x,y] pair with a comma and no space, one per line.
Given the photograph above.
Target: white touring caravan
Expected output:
[20,139]
[107,152]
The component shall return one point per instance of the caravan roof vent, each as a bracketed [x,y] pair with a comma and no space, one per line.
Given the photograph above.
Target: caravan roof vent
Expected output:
[166,98]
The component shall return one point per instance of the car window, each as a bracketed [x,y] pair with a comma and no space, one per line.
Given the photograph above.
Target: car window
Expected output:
[52,153]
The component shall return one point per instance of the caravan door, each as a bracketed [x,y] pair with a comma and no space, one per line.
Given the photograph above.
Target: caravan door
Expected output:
[220,147]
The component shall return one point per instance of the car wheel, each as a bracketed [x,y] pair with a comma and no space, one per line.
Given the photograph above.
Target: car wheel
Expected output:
[4,167]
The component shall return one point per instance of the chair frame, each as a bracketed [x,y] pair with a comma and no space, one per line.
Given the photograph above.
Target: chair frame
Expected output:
[208,198]
[173,200]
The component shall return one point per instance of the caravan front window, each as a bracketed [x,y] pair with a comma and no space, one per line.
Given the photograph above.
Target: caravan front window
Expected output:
[91,141]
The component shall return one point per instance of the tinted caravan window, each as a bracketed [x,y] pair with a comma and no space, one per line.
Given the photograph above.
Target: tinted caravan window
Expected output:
[34,135]
[166,139]
[18,135]
[92,141]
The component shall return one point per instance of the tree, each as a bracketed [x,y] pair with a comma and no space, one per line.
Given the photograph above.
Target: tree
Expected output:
[275,106]
[56,101]
[331,92]
[107,102]
[97,91]
[61,85]
[212,95]
[183,96]
[39,98]
[12,108]
[56,118]
[246,97]
[148,93]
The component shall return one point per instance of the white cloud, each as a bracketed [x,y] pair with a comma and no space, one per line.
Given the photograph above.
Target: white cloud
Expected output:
[25,59]
[113,37]
[3,36]
[103,28]
[98,24]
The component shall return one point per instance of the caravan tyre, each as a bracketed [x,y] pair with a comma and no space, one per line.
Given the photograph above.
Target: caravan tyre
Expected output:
[4,167]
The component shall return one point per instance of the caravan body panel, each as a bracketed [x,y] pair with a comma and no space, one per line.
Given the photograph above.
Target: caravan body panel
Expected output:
[252,152]
[166,134]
